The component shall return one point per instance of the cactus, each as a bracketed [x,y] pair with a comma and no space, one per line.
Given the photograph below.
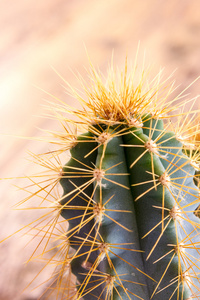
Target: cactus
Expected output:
[130,195]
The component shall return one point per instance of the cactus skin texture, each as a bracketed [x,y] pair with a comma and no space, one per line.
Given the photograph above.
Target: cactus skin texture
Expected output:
[130,193]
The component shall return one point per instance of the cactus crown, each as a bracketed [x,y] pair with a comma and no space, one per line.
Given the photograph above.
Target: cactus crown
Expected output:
[128,220]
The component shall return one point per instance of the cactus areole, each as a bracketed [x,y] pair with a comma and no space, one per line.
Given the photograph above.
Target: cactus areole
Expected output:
[130,193]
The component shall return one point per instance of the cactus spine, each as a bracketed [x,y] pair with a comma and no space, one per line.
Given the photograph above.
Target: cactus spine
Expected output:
[130,195]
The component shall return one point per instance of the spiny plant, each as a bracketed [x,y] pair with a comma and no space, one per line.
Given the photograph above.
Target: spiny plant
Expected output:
[127,224]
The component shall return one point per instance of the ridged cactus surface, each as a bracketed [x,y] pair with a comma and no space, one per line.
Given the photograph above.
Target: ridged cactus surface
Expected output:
[130,194]
[130,197]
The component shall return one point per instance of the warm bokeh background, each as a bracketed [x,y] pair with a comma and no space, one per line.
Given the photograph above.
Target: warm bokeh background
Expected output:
[36,35]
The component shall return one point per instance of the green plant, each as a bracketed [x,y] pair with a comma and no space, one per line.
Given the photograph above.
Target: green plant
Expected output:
[130,194]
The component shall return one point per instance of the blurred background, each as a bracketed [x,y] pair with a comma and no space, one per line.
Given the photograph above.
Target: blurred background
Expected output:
[38,35]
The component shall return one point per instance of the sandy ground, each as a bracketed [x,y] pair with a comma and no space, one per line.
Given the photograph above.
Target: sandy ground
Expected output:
[36,35]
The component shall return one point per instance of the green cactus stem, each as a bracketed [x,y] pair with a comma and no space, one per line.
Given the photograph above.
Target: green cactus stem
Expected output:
[142,199]
[129,194]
